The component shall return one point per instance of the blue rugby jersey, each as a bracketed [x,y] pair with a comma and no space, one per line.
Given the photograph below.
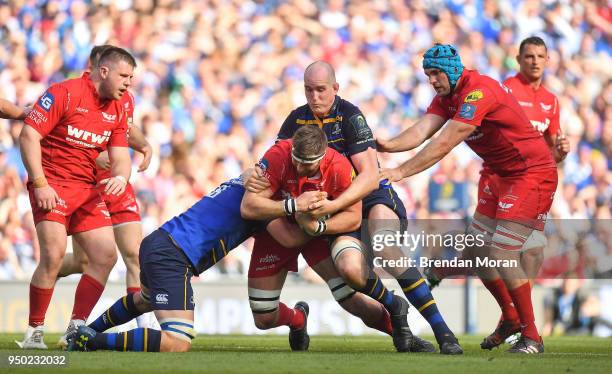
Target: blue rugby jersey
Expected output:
[212,227]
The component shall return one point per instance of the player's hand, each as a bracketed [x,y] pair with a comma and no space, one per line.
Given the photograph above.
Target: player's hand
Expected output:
[147,153]
[114,185]
[563,145]
[308,198]
[307,222]
[103,161]
[46,197]
[381,145]
[322,208]
[26,111]
[391,175]
[257,182]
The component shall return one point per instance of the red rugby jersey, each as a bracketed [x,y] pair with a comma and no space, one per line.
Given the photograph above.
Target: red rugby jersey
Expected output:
[504,138]
[540,105]
[335,176]
[76,125]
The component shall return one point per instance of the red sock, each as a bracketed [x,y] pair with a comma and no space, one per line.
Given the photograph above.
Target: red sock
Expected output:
[384,324]
[87,294]
[289,317]
[522,299]
[498,289]
[39,302]
[133,290]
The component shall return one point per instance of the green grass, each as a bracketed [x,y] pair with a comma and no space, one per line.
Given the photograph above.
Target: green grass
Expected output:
[329,354]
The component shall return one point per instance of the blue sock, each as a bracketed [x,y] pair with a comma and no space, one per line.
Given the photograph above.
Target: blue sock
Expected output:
[419,295]
[122,311]
[377,291]
[137,340]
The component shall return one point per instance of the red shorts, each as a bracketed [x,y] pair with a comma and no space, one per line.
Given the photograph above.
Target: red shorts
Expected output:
[122,208]
[79,209]
[269,257]
[525,199]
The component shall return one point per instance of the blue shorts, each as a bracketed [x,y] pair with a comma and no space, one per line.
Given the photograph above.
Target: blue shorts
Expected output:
[166,273]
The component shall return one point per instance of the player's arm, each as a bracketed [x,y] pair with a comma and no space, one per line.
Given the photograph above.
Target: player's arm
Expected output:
[365,182]
[288,234]
[346,220]
[260,206]
[139,143]
[454,133]
[9,110]
[413,136]
[120,170]
[555,138]
[31,154]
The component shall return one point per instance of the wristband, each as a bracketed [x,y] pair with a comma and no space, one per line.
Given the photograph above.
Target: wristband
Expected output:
[321,228]
[39,182]
[290,206]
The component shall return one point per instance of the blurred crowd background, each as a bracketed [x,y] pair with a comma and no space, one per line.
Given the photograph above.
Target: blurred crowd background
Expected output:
[216,79]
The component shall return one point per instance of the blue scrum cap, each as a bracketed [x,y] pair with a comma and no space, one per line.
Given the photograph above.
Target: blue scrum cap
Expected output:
[446,58]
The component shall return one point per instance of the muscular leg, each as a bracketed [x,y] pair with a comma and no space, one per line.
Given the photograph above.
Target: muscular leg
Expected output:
[128,237]
[268,311]
[73,263]
[384,221]
[99,246]
[372,313]
[52,239]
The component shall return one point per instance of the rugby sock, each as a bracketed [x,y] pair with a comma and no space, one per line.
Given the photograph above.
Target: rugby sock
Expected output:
[39,302]
[133,290]
[289,317]
[498,289]
[377,291]
[87,294]
[137,340]
[522,300]
[122,311]
[418,293]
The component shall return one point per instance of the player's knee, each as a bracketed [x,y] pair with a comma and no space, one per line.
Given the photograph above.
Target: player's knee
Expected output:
[105,259]
[347,256]
[131,261]
[264,305]
[351,274]
[340,290]
[177,334]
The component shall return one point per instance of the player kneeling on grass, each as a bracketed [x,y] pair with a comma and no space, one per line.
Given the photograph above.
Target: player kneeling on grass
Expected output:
[185,245]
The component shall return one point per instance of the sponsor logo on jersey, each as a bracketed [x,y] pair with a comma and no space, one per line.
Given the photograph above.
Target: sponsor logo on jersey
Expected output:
[546,108]
[267,259]
[263,164]
[482,201]
[87,138]
[540,126]
[467,111]
[46,101]
[132,208]
[525,103]
[82,110]
[109,117]
[473,96]
[487,190]
[161,298]
[505,206]
[476,134]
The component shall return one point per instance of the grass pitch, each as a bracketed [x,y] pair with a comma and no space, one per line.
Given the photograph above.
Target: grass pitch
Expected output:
[327,354]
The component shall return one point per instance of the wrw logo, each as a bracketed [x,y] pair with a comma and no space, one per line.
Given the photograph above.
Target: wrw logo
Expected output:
[88,136]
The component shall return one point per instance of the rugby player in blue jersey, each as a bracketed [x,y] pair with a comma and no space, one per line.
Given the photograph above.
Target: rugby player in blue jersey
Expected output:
[187,244]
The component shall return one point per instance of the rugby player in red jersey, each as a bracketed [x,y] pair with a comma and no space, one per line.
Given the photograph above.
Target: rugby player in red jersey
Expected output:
[517,183]
[72,122]
[295,168]
[123,209]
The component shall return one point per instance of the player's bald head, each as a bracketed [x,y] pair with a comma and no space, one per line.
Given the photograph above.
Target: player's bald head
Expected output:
[320,71]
